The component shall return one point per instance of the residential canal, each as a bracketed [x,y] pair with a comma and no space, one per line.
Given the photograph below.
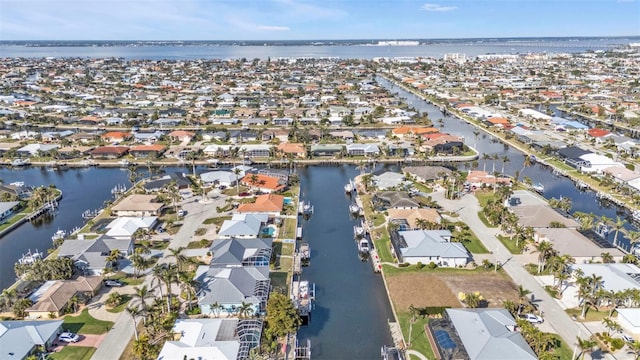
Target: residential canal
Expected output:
[350,317]
[82,189]
[554,186]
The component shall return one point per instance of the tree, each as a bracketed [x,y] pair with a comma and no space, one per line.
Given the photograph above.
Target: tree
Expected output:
[618,226]
[19,307]
[586,346]
[141,294]
[282,317]
[237,171]
[189,286]
[181,258]
[174,195]
[245,310]
[545,251]
[114,299]
[134,312]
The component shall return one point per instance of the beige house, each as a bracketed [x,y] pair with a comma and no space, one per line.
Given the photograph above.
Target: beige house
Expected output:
[54,297]
[138,205]
[411,216]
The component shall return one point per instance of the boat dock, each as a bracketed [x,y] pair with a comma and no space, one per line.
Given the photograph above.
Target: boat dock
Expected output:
[299,233]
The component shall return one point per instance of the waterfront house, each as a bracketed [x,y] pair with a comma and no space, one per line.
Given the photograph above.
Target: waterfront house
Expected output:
[7,208]
[241,252]
[19,190]
[255,150]
[426,174]
[427,246]
[138,205]
[570,241]
[124,227]
[326,150]
[116,137]
[477,179]
[478,334]
[263,183]
[90,255]
[242,226]
[534,211]
[363,149]
[147,151]
[389,180]
[181,136]
[20,339]
[212,339]
[36,149]
[54,297]
[615,277]
[158,183]
[296,150]
[572,156]
[345,135]
[218,150]
[109,152]
[219,178]
[231,287]
[281,134]
[271,204]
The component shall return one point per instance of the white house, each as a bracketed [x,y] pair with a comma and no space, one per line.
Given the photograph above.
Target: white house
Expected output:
[242,226]
[124,227]
[428,246]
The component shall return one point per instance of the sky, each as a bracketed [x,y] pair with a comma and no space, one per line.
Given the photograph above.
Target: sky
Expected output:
[313,19]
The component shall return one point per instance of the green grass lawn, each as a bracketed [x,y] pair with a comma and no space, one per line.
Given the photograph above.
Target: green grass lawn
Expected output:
[86,324]
[216,220]
[484,197]
[484,220]
[73,353]
[474,245]
[564,351]
[199,244]
[127,279]
[288,229]
[418,341]
[392,270]
[279,280]
[509,244]
[122,306]
[382,245]
[592,314]
[287,249]
[14,219]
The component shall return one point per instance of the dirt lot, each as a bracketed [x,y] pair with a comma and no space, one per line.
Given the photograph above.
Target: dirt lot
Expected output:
[441,289]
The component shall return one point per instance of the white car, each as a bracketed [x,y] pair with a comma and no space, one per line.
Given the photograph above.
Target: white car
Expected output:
[627,338]
[532,318]
[69,337]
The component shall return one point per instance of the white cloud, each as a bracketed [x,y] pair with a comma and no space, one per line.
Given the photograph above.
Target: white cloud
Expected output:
[273,28]
[308,10]
[437,7]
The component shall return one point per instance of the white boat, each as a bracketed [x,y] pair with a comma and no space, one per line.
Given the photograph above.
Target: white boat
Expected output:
[363,246]
[124,162]
[305,208]
[358,230]
[348,187]
[17,183]
[354,209]
[20,162]
[30,257]
[539,188]
[303,295]
[305,253]
[58,235]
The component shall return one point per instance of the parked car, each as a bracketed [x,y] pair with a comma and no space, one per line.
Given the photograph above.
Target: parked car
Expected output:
[69,337]
[244,193]
[532,318]
[627,338]
[182,212]
[160,229]
[113,283]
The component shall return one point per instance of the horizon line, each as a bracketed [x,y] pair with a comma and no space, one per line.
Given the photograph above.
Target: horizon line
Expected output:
[353,39]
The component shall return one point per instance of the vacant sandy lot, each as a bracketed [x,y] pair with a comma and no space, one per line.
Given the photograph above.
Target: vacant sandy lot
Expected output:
[441,289]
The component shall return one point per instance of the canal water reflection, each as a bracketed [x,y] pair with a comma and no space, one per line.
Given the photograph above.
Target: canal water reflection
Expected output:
[554,186]
[350,317]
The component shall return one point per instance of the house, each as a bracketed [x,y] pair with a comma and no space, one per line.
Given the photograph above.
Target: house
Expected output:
[615,277]
[21,338]
[428,246]
[54,297]
[363,149]
[271,204]
[242,226]
[181,135]
[394,200]
[231,287]
[629,319]
[264,183]
[425,174]
[36,149]
[285,121]
[389,180]
[255,150]
[533,211]
[7,208]
[137,205]
[571,155]
[322,150]
[241,252]
[477,179]
[147,151]
[18,189]
[116,136]
[295,149]
[90,255]
[109,152]
[478,334]
[219,178]
[281,134]
[124,227]
[569,241]
[159,183]
[212,339]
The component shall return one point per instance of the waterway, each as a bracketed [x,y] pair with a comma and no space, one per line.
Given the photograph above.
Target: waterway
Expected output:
[350,317]
[554,186]
[82,189]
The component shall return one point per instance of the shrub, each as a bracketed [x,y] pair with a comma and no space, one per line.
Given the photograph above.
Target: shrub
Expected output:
[432,265]
[403,265]
[419,265]
[200,231]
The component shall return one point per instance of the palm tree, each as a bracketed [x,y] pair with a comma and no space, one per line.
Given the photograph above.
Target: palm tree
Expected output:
[189,286]
[174,195]
[215,308]
[73,303]
[618,226]
[634,348]
[634,238]
[141,294]
[472,299]
[505,159]
[545,251]
[139,263]
[607,258]
[134,312]
[586,346]
[485,157]
[181,259]
[112,260]
[244,310]
[237,171]
[523,296]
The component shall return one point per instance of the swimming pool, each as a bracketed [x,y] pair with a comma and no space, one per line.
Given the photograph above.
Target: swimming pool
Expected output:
[268,231]
[288,201]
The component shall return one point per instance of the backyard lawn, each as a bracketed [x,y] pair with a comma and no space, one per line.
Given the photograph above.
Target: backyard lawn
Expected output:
[86,324]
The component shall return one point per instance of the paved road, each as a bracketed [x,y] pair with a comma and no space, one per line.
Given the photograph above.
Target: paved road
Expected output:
[116,340]
[468,208]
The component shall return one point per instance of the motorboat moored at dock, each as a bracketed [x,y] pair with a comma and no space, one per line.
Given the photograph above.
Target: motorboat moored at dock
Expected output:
[30,257]
[363,246]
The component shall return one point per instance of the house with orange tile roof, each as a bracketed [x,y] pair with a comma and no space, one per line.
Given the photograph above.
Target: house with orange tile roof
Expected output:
[497,121]
[296,149]
[116,136]
[264,183]
[147,151]
[477,179]
[181,135]
[271,204]
[89,120]
[109,152]
[598,133]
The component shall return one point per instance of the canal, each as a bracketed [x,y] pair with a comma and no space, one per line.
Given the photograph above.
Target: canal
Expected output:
[554,186]
[352,309]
